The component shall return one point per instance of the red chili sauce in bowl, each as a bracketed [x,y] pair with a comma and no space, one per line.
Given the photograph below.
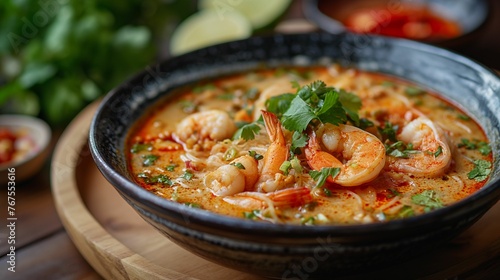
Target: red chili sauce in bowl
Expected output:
[402,21]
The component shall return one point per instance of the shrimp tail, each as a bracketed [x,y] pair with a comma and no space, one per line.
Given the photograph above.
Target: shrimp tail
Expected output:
[273,127]
[316,158]
[291,197]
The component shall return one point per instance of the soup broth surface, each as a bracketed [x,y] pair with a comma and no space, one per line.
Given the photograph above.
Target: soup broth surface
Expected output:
[356,147]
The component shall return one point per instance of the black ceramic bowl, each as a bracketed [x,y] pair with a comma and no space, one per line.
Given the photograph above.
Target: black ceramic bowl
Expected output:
[469,14]
[296,251]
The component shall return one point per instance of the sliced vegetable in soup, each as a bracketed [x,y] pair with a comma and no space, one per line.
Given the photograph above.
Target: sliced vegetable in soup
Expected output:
[310,146]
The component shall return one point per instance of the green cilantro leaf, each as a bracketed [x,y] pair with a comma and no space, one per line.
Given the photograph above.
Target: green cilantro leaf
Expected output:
[141,147]
[149,159]
[482,169]
[439,151]
[321,176]
[253,215]
[428,199]
[414,91]
[351,104]
[192,205]
[171,167]
[279,104]
[405,212]
[388,131]
[255,155]
[299,140]
[239,165]
[247,131]
[298,115]
[484,148]
[188,175]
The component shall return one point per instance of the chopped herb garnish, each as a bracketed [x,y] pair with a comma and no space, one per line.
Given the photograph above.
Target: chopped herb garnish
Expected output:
[484,148]
[202,88]
[388,131]
[438,152]
[141,147]
[319,102]
[327,192]
[188,106]
[428,199]
[238,165]
[171,167]
[253,215]
[255,155]
[192,205]
[296,164]
[482,169]
[188,175]
[230,154]
[309,221]
[414,91]
[392,193]
[299,140]
[463,117]
[365,123]
[469,145]
[405,212]
[247,131]
[162,179]
[279,104]
[321,176]
[149,159]
[285,167]
[400,150]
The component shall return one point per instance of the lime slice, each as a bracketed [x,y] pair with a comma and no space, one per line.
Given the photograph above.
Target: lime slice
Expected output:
[260,13]
[208,27]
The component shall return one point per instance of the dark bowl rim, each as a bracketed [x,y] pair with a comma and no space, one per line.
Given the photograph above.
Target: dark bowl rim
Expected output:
[313,14]
[203,217]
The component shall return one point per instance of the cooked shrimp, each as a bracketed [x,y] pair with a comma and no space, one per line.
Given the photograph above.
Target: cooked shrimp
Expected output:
[359,154]
[282,198]
[271,177]
[201,130]
[434,155]
[233,178]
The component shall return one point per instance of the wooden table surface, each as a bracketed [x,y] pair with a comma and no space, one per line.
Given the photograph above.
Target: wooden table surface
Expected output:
[44,249]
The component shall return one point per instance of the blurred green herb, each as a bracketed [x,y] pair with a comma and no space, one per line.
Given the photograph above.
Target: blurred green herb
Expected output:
[58,56]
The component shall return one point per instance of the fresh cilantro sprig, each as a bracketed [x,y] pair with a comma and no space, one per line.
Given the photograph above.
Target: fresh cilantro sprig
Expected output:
[482,169]
[247,131]
[316,101]
[321,176]
[428,199]
[483,147]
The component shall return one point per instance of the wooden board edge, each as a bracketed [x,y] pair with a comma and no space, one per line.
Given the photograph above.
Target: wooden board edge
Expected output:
[110,258]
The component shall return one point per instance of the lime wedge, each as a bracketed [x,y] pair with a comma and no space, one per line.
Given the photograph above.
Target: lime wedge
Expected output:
[208,27]
[260,13]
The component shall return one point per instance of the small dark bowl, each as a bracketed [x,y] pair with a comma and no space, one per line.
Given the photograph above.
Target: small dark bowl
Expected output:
[469,14]
[277,250]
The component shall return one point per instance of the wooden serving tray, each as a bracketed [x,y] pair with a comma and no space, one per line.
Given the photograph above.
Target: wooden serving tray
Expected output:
[118,244]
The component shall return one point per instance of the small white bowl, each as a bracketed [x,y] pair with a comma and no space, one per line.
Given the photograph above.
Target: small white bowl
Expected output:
[37,131]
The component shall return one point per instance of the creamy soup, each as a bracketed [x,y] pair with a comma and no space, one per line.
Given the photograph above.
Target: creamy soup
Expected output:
[310,146]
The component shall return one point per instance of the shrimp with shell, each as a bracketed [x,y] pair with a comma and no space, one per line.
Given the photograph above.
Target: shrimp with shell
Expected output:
[271,177]
[201,130]
[236,177]
[359,155]
[431,153]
